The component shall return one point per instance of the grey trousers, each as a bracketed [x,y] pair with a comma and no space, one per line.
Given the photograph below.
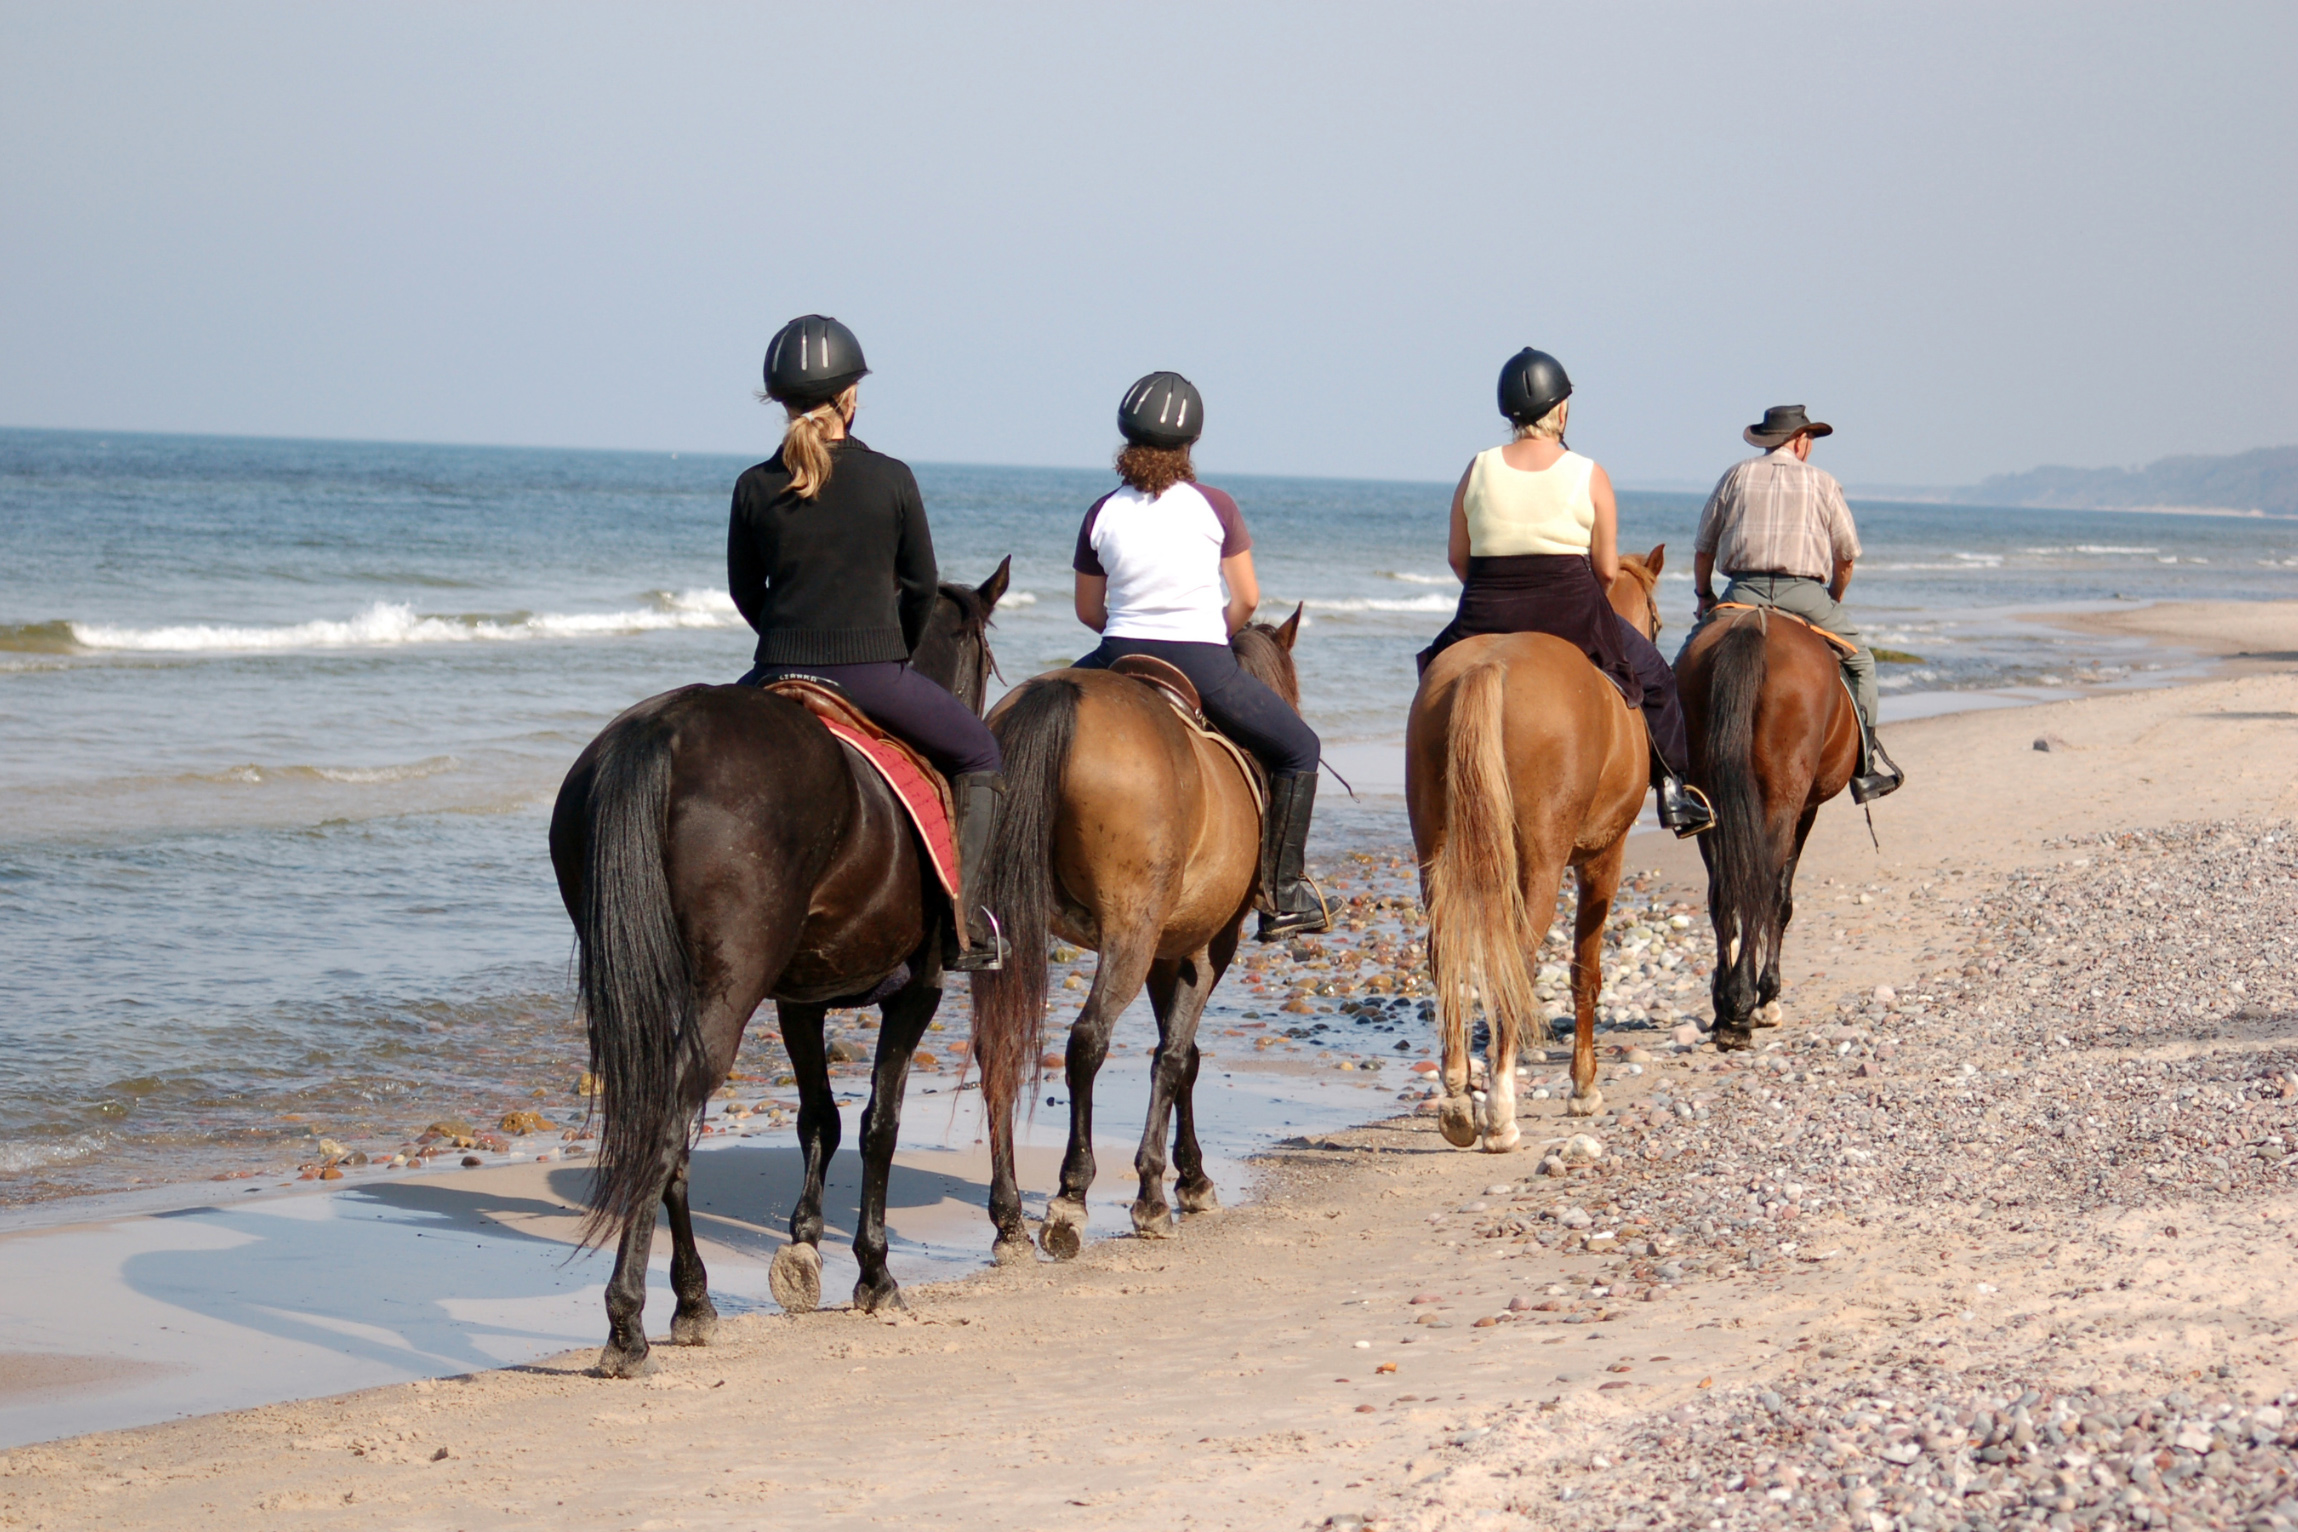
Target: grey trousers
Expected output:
[1809,600]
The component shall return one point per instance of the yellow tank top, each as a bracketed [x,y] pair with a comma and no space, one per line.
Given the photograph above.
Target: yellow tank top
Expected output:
[1512,510]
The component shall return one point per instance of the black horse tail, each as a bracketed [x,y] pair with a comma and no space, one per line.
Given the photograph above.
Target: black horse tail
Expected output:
[1744,883]
[1034,731]
[636,981]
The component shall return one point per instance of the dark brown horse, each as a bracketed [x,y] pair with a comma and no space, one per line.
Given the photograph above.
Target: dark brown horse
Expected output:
[1773,736]
[717,848]
[1521,759]
[1132,834]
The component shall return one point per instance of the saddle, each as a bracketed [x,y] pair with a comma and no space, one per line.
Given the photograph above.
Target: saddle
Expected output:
[921,790]
[1180,693]
[1846,645]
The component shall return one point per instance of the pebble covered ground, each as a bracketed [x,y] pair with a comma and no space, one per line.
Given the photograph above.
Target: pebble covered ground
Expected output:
[2110,1049]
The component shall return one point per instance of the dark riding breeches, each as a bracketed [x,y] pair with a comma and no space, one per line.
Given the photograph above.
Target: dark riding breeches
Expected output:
[1239,705]
[944,730]
[1663,712]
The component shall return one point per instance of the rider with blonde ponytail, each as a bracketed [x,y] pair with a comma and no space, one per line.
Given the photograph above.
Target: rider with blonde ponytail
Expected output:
[829,557]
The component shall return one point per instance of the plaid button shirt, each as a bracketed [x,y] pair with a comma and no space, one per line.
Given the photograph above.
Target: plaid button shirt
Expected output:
[1777,515]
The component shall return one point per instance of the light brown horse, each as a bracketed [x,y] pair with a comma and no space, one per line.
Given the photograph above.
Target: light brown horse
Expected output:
[1773,736]
[1127,832]
[1521,759]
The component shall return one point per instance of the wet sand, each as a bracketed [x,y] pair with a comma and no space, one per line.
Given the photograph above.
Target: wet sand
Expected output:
[1949,1198]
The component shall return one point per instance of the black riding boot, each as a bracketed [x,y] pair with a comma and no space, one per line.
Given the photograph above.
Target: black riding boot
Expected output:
[1683,807]
[1290,902]
[980,799]
[1878,774]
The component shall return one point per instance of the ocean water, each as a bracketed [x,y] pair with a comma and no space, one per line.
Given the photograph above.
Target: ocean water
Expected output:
[280,723]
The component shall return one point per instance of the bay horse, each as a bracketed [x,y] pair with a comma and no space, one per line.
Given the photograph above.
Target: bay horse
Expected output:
[1521,759]
[1773,736]
[1129,833]
[717,847]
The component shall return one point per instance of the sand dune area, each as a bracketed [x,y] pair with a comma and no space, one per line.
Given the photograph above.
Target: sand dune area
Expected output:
[1996,1228]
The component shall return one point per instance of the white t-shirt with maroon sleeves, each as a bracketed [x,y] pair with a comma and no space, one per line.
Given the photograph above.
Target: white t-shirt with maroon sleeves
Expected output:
[1162,558]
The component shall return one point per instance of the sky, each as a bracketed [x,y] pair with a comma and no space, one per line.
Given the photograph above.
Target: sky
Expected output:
[1975,238]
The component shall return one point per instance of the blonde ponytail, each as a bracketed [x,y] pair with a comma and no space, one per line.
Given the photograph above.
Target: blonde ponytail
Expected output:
[806,450]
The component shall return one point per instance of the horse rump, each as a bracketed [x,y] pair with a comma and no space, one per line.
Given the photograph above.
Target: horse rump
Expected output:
[635,981]
[1034,730]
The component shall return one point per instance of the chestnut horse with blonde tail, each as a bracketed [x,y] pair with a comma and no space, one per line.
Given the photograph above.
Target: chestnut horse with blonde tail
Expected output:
[1773,736]
[1521,759]
[1129,832]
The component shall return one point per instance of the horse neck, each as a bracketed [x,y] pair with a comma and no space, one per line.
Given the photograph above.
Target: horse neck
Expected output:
[1268,662]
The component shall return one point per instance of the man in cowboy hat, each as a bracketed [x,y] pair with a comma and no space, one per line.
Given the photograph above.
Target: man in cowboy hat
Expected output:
[1784,537]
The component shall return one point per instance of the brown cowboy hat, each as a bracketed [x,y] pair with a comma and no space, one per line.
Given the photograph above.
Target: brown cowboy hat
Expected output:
[1782,421]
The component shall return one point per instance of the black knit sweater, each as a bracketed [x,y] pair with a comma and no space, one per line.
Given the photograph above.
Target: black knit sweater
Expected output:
[843,579]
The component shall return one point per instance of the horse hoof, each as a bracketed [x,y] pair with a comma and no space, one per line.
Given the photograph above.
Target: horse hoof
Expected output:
[1733,1039]
[877,1300]
[697,1328]
[1061,1235]
[1502,1143]
[796,1278]
[1456,1120]
[616,1362]
[1585,1106]
[1016,1251]
[1153,1223]
[1200,1198]
[1767,1016]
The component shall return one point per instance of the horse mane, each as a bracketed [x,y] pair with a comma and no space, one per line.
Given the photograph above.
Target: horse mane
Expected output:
[1266,660]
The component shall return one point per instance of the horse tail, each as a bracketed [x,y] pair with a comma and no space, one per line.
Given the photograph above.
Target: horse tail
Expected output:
[1034,731]
[1479,937]
[635,979]
[1744,884]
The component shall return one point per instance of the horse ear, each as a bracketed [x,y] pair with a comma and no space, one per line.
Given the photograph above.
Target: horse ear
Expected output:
[994,587]
[1291,628]
[1657,557]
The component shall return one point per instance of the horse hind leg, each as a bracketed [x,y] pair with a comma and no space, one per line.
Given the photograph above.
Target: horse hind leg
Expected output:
[1177,993]
[695,1321]
[1599,881]
[1194,1190]
[1768,1013]
[1117,978]
[625,1353]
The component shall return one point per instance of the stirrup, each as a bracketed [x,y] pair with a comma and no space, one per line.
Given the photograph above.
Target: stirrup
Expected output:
[1700,824]
[987,956]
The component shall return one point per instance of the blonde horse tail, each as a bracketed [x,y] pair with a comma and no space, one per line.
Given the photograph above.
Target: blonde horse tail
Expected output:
[1479,938]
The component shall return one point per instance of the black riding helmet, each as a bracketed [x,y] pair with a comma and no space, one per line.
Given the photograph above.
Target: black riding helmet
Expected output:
[1162,410]
[811,360]
[1532,384]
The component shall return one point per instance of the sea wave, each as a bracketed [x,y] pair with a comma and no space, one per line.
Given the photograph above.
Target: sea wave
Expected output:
[1432,602]
[388,624]
[18,1155]
[251,774]
[1409,577]
[2093,548]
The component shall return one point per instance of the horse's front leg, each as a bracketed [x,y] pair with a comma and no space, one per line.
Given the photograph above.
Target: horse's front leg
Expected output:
[1599,880]
[1117,978]
[1177,993]
[796,1275]
[1194,1190]
[906,1013]
[695,1320]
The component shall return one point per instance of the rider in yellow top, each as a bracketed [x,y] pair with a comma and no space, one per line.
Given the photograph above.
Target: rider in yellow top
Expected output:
[1536,542]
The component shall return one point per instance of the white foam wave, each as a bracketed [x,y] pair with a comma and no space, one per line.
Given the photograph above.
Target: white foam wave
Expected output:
[1433,602]
[387,624]
[2094,548]
[20,1155]
[1411,578]
[702,599]
[1018,598]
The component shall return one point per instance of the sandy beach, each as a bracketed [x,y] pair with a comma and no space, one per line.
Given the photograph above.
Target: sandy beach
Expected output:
[1995,1228]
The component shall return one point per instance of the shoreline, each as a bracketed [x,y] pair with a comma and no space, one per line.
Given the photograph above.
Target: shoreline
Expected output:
[2210,750]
